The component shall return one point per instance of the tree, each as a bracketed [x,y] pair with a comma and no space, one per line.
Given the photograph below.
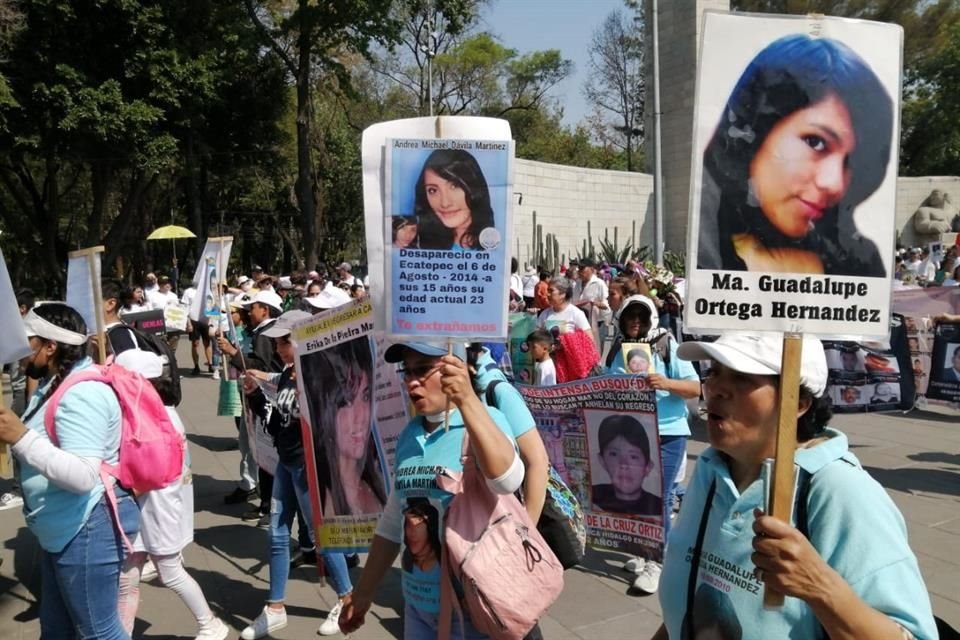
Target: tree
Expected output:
[310,37]
[615,83]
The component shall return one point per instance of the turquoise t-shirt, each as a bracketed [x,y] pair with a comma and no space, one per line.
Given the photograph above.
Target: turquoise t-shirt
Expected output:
[420,456]
[87,425]
[672,410]
[508,399]
[852,523]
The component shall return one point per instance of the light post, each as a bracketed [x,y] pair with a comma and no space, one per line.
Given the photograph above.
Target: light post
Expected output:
[430,50]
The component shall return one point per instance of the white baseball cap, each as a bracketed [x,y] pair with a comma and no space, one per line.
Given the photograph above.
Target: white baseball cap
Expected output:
[285,323]
[268,298]
[761,355]
[329,298]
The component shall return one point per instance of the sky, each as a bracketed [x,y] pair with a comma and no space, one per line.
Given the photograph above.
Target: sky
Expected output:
[568,25]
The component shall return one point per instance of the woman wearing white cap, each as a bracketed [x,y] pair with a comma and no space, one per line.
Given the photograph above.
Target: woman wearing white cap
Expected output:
[847,567]
[64,499]
[434,381]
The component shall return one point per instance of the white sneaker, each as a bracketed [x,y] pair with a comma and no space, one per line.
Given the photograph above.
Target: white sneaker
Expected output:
[149,571]
[648,580]
[213,629]
[331,626]
[216,374]
[10,500]
[634,565]
[267,622]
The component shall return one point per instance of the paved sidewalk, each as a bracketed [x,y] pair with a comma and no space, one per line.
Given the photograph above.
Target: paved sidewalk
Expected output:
[916,457]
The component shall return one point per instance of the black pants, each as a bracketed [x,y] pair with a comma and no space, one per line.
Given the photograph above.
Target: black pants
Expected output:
[535,633]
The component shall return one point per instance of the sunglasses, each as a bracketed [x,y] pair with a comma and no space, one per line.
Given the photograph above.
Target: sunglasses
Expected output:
[420,373]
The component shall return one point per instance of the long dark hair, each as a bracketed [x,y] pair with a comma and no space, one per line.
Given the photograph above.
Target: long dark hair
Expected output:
[462,169]
[333,378]
[67,355]
[791,74]
[422,507]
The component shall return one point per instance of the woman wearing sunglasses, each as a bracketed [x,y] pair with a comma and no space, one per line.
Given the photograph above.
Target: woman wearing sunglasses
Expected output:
[440,389]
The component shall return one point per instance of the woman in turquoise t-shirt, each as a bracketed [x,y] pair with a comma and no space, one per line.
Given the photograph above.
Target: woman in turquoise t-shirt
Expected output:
[63,497]
[412,518]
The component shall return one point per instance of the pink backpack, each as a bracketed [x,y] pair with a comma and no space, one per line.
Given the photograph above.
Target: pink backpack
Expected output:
[506,572]
[151,448]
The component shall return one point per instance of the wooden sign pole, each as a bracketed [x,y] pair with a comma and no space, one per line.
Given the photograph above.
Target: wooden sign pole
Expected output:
[781,495]
[91,255]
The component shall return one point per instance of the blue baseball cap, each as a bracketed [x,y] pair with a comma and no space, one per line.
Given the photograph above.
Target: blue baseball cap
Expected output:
[395,352]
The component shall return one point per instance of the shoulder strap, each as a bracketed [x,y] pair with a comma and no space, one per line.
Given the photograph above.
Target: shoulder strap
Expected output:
[489,396]
[804,479]
[697,550]
[50,413]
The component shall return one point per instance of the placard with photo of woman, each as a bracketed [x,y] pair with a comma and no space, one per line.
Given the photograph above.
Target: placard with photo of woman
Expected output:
[794,174]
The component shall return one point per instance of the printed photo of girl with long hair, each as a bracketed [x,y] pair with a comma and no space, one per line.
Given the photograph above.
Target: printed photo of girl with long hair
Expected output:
[339,385]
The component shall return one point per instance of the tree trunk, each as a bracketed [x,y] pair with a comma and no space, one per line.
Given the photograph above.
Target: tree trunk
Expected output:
[54,262]
[101,179]
[304,185]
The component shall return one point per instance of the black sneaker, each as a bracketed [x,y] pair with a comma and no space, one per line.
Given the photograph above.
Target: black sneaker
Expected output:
[304,557]
[353,560]
[239,496]
[209,368]
[264,521]
[251,514]
[196,371]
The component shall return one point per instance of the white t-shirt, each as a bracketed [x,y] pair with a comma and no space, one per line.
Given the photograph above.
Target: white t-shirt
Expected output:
[546,373]
[594,291]
[530,285]
[516,284]
[570,319]
[160,300]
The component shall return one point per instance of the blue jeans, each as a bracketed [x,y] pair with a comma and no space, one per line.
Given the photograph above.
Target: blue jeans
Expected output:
[79,585]
[289,490]
[672,450]
[420,625]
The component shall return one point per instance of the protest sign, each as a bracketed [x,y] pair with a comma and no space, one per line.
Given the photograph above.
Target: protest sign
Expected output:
[521,362]
[390,403]
[336,374]
[211,271]
[637,358]
[588,424]
[793,182]
[84,293]
[175,317]
[945,368]
[377,202]
[150,322]
[13,339]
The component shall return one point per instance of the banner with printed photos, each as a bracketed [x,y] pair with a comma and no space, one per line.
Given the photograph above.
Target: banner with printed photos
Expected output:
[601,437]
[793,183]
[945,364]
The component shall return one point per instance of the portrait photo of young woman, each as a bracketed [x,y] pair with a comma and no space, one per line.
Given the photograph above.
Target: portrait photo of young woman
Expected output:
[804,138]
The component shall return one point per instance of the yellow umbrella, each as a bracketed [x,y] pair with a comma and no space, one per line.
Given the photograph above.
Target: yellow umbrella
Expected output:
[170,232]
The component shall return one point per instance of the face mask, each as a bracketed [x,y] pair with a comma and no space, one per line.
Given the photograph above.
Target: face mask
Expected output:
[436,417]
[33,371]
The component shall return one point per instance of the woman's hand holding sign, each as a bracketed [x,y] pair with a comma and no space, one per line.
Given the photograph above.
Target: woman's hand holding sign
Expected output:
[455,380]
[787,562]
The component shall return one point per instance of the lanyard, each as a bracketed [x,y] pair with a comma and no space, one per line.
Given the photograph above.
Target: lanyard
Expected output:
[695,561]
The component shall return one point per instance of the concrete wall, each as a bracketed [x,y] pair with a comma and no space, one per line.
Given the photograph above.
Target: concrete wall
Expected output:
[565,198]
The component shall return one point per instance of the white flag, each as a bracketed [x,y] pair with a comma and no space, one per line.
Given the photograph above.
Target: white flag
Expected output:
[13,339]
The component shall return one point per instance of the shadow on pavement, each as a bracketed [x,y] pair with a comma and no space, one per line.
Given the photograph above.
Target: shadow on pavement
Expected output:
[26,570]
[911,480]
[214,443]
[936,456]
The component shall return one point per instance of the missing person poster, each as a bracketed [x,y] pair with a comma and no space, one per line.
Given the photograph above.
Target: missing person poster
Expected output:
[390,403]
[80,287]
[637,358]
[945,369]
[601,437]
[447,237]
[210,273]
[337,377]
[793,181]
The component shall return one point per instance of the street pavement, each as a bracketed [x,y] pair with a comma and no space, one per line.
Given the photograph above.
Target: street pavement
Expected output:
[915,456]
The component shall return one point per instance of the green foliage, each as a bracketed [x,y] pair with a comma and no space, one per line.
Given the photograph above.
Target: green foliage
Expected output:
[676,262]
